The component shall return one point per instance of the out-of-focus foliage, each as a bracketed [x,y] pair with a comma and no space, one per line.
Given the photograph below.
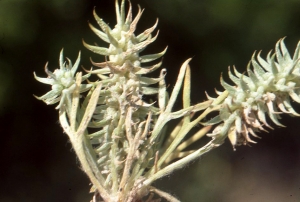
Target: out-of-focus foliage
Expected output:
[216,33]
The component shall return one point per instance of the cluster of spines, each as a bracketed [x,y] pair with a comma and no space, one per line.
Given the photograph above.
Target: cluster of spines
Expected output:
[122,112]
[266,90]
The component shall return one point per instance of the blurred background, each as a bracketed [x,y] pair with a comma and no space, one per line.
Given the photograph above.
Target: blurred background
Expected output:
[37,161]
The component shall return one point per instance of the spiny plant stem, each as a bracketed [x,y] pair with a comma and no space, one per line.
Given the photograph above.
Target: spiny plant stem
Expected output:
[120,135]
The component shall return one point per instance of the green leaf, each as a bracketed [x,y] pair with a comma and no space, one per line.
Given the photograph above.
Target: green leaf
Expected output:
[177,86]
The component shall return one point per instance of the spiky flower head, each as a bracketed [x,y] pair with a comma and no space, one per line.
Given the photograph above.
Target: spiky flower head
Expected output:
[124,47]
[62,81]
[268,89]
[124,118]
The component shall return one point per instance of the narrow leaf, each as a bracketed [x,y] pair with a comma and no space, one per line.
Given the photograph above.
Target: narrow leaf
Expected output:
[100,34]
[100,22]
[263,63]
[96,49]
[177,86]
[149,58]
[229,88]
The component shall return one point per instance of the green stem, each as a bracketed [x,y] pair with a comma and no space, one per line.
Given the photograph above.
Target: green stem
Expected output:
[180,163]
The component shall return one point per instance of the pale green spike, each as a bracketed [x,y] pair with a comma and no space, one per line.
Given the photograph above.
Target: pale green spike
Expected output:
[281,106]
[135,21]
[146,70]
[69,64]
[280,84]
[85,87]
[294,96]
[278,53]
[289,71]
[53,101]
[162,93]
[149,81]
[238,74]
[61,59]
[99,124]
[138,47]
[219,92]
[122,12]
[297,52]
[50,74]
[177,86]
[141,50]
[217,119]
[147,32]
[209,97]
[111,39]
[85,77]
[100,71]
[97,134]
[261,115]
[102,160]
[119,21]
[186,92]
[100,22]
[269,79]
[96,49]
[246,135]
[246,79]
[274,69]
[104,147]
[269,60]
[263,63]
[232,77]
[44,80]
[100,34]
[259,72]
[149,90]
[274,118]
[289,107]
[227,124]
[48,95]
[285,52]
[129,15]
[227,87]
[151,57]
[75,66]
[252,76]
[243,84]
